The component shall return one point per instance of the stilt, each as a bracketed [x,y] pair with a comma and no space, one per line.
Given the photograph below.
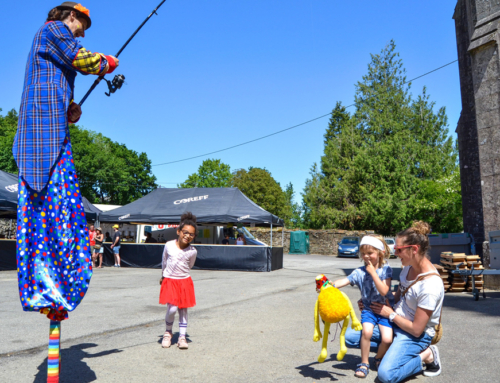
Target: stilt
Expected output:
[54,360]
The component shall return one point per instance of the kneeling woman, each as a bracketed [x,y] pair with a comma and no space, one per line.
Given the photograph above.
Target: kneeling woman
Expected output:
[418,309]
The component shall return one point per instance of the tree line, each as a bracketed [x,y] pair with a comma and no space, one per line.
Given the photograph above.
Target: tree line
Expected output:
[109,172]
[386,163]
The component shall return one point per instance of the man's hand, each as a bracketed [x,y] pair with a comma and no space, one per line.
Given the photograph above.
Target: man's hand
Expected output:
[74,112]
[112,246]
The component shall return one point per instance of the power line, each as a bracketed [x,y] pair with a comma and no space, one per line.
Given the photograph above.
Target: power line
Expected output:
[291,127]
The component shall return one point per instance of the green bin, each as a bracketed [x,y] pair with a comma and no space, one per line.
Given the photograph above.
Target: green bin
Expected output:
[299,242]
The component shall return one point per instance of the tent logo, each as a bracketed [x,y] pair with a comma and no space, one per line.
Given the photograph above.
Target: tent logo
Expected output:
[190,199]
[11,188]
[123,217]
[242,218]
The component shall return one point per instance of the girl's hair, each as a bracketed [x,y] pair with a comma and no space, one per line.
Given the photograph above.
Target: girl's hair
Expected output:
[382,255]
[417,234]
[56,14]
[187,219]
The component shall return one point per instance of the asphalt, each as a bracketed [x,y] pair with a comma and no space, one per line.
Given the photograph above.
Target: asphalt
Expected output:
[246,327]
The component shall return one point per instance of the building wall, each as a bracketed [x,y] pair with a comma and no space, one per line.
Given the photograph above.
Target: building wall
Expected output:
[477,30]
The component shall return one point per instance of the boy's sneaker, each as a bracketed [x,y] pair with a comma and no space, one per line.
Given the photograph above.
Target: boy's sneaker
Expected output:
[434,368]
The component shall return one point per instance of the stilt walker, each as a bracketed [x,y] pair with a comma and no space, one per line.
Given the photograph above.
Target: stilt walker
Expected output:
[53,254]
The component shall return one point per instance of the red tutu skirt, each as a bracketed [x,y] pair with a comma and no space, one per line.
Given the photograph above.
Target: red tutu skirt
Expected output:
[178,292]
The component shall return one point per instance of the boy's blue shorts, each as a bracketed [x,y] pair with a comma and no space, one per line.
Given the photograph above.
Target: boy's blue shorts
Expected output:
[375,319]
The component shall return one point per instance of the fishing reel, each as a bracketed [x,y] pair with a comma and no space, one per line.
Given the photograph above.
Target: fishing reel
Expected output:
[114,84]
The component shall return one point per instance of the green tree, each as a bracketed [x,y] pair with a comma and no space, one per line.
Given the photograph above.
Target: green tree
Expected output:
[260,186]
[211,174]
[383,162]
[108,172]
[295,210]
[8,127]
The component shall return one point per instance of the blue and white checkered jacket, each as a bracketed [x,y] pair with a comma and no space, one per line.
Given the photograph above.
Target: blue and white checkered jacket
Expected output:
[53,62]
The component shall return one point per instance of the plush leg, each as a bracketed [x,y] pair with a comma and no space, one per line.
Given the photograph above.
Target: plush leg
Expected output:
[317,330]
[343,348]
[324,352]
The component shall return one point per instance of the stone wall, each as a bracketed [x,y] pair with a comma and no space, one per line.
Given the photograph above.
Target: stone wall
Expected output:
[323,242]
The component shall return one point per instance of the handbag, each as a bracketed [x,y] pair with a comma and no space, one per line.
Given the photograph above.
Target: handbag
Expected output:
[439,327]
[97,247]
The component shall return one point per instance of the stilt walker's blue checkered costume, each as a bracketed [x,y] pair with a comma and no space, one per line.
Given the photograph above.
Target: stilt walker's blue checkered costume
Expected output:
[53,252]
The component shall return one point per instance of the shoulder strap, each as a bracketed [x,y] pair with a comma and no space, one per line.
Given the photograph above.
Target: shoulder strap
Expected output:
[417,280]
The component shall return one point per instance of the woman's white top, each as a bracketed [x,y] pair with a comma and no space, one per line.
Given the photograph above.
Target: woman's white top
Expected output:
[176,263]
[239,242]
[427,294]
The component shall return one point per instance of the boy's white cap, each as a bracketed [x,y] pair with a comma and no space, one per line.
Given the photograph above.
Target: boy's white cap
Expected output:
[372,241]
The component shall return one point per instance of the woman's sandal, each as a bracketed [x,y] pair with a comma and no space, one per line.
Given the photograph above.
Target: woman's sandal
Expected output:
[377,363]
[365,370]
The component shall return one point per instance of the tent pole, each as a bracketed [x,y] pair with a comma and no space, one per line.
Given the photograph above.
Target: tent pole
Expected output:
[271,234]
[282,235]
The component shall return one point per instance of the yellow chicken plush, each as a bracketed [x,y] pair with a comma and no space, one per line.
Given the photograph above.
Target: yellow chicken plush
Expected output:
[333,306]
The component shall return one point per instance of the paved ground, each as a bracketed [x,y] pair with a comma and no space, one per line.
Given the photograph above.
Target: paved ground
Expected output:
[247,327]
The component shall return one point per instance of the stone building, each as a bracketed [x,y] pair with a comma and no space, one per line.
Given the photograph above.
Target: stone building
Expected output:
[478,130]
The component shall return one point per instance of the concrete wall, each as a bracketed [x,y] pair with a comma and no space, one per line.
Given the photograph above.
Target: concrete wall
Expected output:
[323,242]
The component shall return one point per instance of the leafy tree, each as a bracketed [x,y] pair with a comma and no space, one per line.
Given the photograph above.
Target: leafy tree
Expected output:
[295,218]
[211,174]
[8,127]
[108,172]
[259,185]
[383,164]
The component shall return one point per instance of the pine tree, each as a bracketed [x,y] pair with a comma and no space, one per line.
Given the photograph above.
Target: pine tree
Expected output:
[382,161]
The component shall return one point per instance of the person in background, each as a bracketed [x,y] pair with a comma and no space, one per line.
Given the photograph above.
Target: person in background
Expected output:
[149,238]
[108,237]
[92,235]
[115,246]
[99,248]
[225,241]
[239,240]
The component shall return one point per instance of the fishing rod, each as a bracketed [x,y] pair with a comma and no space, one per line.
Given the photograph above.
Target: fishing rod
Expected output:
[119,79]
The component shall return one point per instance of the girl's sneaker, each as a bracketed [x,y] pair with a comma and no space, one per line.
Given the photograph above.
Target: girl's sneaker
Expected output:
[434,368]
[182,343]
[167,340]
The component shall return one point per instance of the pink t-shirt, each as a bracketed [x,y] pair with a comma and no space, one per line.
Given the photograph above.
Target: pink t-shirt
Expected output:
[176,263]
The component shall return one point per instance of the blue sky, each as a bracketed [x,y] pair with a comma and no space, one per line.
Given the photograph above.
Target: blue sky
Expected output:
[205,75]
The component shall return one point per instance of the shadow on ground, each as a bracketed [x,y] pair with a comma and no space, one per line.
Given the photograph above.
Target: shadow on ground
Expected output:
[465,302]
[73,368]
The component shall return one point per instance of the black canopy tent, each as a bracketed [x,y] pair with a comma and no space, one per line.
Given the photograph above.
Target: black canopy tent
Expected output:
[211,206]
[8,198]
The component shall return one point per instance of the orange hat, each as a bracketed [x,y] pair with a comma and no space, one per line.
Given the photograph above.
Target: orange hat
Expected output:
[80,10]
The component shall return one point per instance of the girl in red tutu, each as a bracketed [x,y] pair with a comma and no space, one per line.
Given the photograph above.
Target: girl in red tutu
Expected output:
[177,290]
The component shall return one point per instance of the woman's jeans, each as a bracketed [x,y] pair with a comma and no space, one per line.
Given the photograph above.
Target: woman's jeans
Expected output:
[401,360]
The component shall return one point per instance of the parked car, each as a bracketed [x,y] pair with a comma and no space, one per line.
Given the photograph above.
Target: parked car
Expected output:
[391,242]
[348,247]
